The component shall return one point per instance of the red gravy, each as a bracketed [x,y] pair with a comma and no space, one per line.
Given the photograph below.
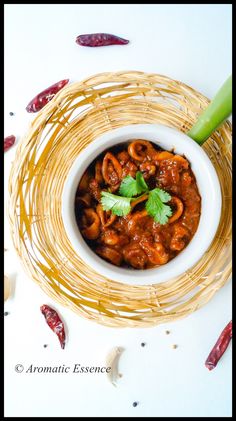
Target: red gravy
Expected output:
[136,240]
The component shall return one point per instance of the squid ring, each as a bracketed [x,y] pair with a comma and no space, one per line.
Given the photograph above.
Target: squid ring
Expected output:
[109,157]
[179,209]
[135,148]
[107,218]
[92,231]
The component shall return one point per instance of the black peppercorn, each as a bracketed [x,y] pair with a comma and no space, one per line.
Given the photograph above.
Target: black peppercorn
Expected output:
[6,313]
[11,113]
[135,404]
[45,346]
[143,344]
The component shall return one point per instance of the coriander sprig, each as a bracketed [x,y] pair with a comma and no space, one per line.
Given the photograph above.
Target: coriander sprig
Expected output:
[130,187]
[119,205]
[156,207]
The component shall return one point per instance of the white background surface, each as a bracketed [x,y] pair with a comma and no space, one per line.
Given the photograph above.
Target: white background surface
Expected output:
[191,43]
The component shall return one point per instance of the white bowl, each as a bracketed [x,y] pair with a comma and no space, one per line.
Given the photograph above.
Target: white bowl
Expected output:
[208,185]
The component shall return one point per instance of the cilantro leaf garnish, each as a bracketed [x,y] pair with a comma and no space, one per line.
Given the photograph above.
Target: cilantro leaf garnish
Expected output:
[119,205]
[156,207]
[132,187]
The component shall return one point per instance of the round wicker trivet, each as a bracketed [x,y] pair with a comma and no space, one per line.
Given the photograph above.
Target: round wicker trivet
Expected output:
[74,118]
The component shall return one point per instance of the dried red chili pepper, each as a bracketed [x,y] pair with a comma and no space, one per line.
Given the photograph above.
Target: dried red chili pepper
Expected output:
[54,322]
[9,142]
[220,347]
[45,96]
[100,40]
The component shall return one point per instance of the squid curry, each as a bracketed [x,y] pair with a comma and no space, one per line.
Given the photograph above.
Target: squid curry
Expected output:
[136,240]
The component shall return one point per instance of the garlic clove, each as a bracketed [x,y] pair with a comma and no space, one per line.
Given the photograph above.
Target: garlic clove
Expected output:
[7,287]
[112,360]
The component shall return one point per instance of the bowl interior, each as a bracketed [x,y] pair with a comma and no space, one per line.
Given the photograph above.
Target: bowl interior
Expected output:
[208,185]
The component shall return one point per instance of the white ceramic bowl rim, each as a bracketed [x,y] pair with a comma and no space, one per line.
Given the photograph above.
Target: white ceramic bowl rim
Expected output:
[208,185]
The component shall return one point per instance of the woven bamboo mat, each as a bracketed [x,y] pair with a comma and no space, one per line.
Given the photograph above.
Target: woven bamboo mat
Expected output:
[75,117]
